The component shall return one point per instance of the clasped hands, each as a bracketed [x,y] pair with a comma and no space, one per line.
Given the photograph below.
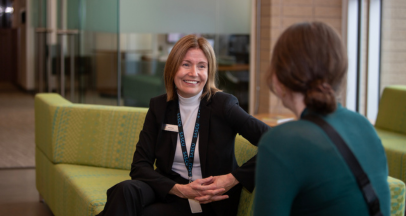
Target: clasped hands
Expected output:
[206,190]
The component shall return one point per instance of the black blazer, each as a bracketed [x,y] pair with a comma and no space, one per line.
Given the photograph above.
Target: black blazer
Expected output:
[221,119]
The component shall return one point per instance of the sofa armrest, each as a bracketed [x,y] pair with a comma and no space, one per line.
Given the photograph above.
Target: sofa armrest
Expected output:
[244,150]
[94,135]
[397,196]
[45,106]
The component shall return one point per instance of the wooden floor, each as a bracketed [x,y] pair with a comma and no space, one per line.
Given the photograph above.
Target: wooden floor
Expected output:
[18,194]
[17,136]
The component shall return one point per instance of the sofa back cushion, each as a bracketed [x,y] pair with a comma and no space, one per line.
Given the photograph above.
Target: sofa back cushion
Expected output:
[392,109]
[103,136]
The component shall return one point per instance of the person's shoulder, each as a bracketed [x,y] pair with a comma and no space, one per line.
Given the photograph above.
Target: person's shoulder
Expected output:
[158,102]
[222,97]
[290,134]
[160,98]
[291,129]
[354,119]
[355,115]
[222,102]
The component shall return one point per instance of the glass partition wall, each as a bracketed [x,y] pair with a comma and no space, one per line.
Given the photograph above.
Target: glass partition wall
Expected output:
[76,49]
[393,43]
[145,55]
[381,52]
[149,30]
[99,51]
[113,52]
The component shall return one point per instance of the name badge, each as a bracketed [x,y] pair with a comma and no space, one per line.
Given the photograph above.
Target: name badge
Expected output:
[195,206]
[170,127]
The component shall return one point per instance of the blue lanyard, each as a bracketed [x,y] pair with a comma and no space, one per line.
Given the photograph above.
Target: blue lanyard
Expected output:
[188,159]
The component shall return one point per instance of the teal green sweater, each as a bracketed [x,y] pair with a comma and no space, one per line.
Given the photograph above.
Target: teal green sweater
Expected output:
[300,171]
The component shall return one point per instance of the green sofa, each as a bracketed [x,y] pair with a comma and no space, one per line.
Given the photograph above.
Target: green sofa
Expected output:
[82,150]
[391,127]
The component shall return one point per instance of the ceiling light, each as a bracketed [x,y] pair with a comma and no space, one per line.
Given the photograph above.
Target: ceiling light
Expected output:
[9,10]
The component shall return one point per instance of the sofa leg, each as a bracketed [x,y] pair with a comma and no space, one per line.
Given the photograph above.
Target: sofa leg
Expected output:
[41,200]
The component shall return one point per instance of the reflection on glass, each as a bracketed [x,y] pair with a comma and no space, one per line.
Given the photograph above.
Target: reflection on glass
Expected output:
[149,30]
[76,49]
[233,66]
[142,68]
[144,60]
[97,57]
[121,46]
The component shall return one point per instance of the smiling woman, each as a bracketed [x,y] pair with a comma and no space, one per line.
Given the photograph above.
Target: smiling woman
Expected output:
[189,135]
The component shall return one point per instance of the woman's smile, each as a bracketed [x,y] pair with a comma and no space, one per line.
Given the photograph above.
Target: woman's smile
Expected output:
[190,81]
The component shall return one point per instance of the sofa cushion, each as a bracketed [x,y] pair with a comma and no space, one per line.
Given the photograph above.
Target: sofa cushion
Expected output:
[75,189]
[395,148]
[85,187]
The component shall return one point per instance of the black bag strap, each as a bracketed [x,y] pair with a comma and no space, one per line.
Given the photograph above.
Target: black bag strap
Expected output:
[362,178]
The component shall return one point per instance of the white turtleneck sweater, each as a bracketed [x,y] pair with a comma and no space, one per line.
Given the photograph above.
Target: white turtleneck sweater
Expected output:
[188,111]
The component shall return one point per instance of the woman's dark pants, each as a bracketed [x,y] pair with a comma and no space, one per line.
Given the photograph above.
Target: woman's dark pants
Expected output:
[136,198]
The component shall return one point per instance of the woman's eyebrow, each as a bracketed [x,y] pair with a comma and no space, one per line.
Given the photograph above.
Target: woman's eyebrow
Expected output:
[186,60]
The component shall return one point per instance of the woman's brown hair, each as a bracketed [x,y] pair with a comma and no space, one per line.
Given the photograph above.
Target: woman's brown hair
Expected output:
[175,59]
[310,58]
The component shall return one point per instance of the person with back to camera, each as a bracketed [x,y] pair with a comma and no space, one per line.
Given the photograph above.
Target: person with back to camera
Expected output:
[189,134]
[300,171]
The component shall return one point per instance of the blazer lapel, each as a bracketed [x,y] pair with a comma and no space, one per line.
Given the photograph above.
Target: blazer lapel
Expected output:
[205,112]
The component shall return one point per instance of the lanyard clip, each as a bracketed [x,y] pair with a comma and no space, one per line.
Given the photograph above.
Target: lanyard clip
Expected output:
[190,179]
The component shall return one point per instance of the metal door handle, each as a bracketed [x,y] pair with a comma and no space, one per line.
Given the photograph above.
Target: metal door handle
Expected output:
[41,33]
[67,31]
[72,33]
[43,30]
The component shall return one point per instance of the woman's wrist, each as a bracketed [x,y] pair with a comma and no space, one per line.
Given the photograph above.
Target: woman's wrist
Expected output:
[176,190]
[233,181]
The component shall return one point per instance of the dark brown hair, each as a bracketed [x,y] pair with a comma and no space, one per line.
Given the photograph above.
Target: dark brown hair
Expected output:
[310,58]
[175,59]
